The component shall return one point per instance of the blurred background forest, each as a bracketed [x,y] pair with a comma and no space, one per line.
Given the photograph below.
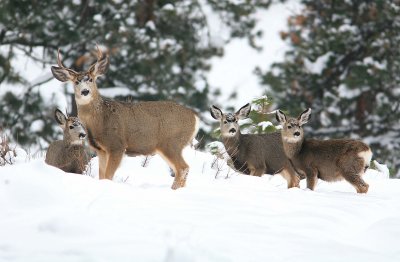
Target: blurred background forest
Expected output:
[343,61]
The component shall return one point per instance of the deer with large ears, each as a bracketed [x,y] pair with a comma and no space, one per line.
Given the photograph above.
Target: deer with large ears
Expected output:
[329,160]
[117,128]
[68,154]
[253,154]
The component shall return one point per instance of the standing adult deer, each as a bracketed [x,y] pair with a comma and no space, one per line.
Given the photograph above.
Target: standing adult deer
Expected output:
[329,160]
[254,154]
[143,128]
[68,154]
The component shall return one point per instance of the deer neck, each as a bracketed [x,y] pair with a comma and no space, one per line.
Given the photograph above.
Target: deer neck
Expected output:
[232,144]
[292,149]
[89,112]
[68,143]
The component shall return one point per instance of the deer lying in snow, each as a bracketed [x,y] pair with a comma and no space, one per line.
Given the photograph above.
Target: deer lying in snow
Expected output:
[254,154]
[115,128]
[68,154]
[329,160]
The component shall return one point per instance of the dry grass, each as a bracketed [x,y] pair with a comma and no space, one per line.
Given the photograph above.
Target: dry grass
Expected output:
[7,153]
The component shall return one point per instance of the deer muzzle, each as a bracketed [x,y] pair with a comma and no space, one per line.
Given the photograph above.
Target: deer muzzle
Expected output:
[85,92]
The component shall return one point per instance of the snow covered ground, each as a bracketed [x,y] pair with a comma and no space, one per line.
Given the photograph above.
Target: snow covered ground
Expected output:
[48,215]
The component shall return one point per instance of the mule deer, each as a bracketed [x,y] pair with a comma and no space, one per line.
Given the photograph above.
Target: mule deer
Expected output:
[329,160]
[68,154]
[143,128]
[252,154]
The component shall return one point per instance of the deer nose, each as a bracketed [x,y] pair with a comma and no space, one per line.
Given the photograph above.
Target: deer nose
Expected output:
[297,133]
[232,130]
[85,92]
[82,135]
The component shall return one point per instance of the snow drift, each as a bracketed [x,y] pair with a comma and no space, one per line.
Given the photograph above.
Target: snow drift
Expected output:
[49,215]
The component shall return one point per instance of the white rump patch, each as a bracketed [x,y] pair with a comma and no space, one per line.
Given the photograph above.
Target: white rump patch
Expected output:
[196,126]
[194,141]
[367,156]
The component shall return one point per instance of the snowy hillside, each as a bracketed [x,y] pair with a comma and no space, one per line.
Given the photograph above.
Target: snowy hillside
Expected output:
[48,215]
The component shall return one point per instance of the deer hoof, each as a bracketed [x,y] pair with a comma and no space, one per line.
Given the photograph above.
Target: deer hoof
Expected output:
[362,188]
[176,185]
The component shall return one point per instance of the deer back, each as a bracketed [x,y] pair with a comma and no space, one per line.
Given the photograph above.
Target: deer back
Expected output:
[139,127]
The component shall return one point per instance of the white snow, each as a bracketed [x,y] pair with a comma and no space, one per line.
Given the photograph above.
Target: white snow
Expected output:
[235,70]
[98,18]
[370,61]
[48,215]
[348,28]
[318,65]
[345,92]
[265,124]
[168,7]
[37,126]
[150,24]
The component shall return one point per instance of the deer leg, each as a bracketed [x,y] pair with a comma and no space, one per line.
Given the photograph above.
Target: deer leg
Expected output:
[290,175]
[353,173]
[252,169]
[312,178]
[256,171]
[357,182]
[259,172]
[182,170]
[113,160]
[102,163]
[178,164]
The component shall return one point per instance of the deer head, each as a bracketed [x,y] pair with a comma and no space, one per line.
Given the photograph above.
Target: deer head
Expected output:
[292,128]
[84,82]
[229,122]
[74,132]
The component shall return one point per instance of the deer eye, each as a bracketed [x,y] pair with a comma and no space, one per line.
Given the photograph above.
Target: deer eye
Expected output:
[76,82]
[71,127]
[90,80]
[289,127]
[225,122]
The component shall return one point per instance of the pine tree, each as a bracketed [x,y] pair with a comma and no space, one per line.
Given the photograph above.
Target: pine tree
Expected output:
[159,49]
[344,63]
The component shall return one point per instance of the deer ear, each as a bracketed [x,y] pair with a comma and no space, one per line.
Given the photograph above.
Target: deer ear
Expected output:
[62,74]
[244,111]
[280,116]
[60,118]
[100,68]
[304,117]
[215,112]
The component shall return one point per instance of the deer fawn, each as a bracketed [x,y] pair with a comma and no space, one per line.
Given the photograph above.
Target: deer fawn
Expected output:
[68,154]
[329,160]
[254,154]
[143,128]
